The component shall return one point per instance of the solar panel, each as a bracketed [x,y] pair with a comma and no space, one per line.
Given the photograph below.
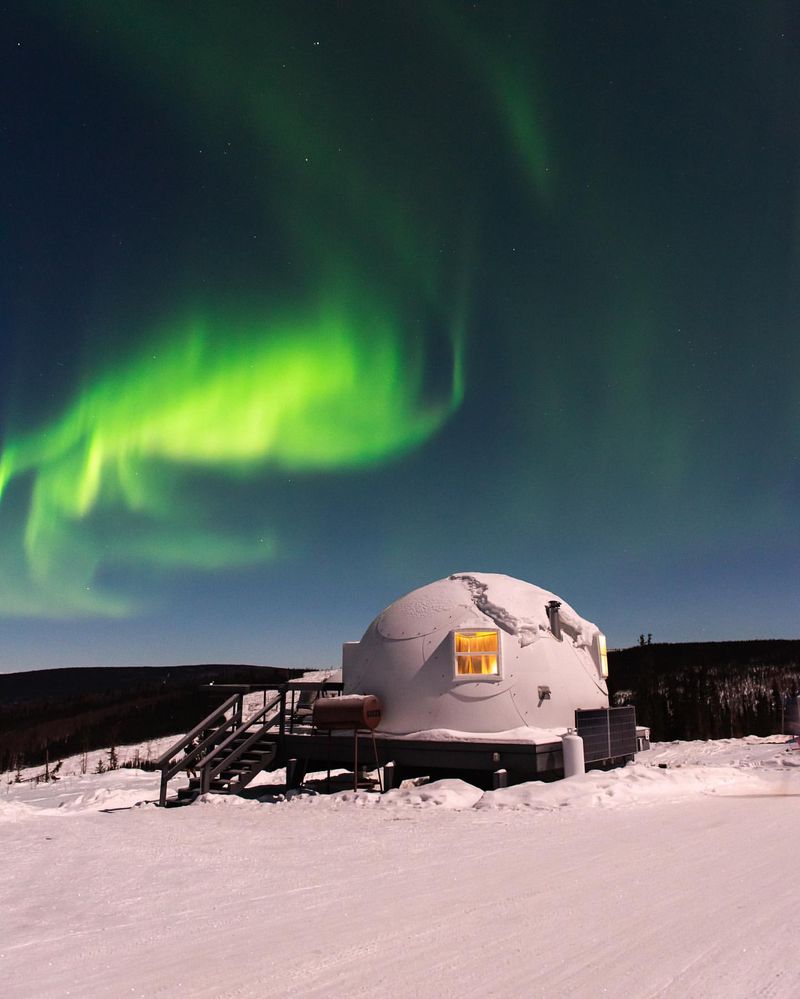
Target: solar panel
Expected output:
[607,733]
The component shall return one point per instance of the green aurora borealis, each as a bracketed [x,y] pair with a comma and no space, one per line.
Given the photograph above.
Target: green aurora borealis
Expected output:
[342,386]
[302,310]
[329,392]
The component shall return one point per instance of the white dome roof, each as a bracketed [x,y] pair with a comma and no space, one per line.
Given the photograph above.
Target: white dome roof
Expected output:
[407,658]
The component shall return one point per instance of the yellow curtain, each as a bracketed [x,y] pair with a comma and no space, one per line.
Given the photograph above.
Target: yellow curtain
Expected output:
[476,641]
[480,665]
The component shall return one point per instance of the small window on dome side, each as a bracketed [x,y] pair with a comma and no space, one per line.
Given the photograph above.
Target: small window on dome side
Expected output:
[477,653]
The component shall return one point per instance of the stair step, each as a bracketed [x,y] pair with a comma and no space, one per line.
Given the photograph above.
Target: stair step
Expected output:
[247,761]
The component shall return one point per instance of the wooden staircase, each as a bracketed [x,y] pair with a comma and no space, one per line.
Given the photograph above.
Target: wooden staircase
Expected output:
[236,775]
[224,752]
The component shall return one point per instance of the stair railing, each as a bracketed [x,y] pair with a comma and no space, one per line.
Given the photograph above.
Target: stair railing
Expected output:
[217,761]
[217,721]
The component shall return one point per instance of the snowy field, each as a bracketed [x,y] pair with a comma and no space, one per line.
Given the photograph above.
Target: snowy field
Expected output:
[677,880]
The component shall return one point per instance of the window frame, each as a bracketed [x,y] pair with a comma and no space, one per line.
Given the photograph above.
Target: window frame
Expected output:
[475,677]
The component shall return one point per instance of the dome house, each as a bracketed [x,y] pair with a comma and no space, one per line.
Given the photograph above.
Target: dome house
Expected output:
[479,653]
[478,676]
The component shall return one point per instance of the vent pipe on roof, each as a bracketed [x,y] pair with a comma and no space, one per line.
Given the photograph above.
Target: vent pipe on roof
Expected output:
[552,615]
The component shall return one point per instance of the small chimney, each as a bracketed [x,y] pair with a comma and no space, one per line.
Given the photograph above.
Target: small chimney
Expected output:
[552,615]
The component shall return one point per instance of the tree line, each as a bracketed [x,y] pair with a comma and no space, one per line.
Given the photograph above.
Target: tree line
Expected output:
[707,690]
[47,715]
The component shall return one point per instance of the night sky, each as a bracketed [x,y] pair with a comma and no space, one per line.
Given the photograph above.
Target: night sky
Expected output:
[305,305]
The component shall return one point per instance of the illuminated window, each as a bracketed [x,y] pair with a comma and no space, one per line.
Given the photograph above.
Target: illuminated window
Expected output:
[477,653]
[602,654]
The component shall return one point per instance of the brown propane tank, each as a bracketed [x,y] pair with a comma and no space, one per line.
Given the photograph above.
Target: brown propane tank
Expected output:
[350,712]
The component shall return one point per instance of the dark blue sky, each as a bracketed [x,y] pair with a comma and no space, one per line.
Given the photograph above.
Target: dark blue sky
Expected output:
[304,310]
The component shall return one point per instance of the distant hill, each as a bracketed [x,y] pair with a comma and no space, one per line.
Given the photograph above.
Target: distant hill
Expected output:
[707,690]
[61,712]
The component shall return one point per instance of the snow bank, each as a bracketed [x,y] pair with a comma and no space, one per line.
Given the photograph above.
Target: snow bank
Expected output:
[15,811]
[752,751]
[635,785]
[448,794]
[79,793]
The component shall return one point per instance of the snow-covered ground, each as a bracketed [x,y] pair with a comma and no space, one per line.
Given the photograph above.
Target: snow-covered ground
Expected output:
[677,880]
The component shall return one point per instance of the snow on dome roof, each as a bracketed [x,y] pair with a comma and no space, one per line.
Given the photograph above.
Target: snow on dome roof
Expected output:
[480,598]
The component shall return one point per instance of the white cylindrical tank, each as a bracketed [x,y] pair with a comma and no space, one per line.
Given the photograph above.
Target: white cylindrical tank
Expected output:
[478,653]
[574,763]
